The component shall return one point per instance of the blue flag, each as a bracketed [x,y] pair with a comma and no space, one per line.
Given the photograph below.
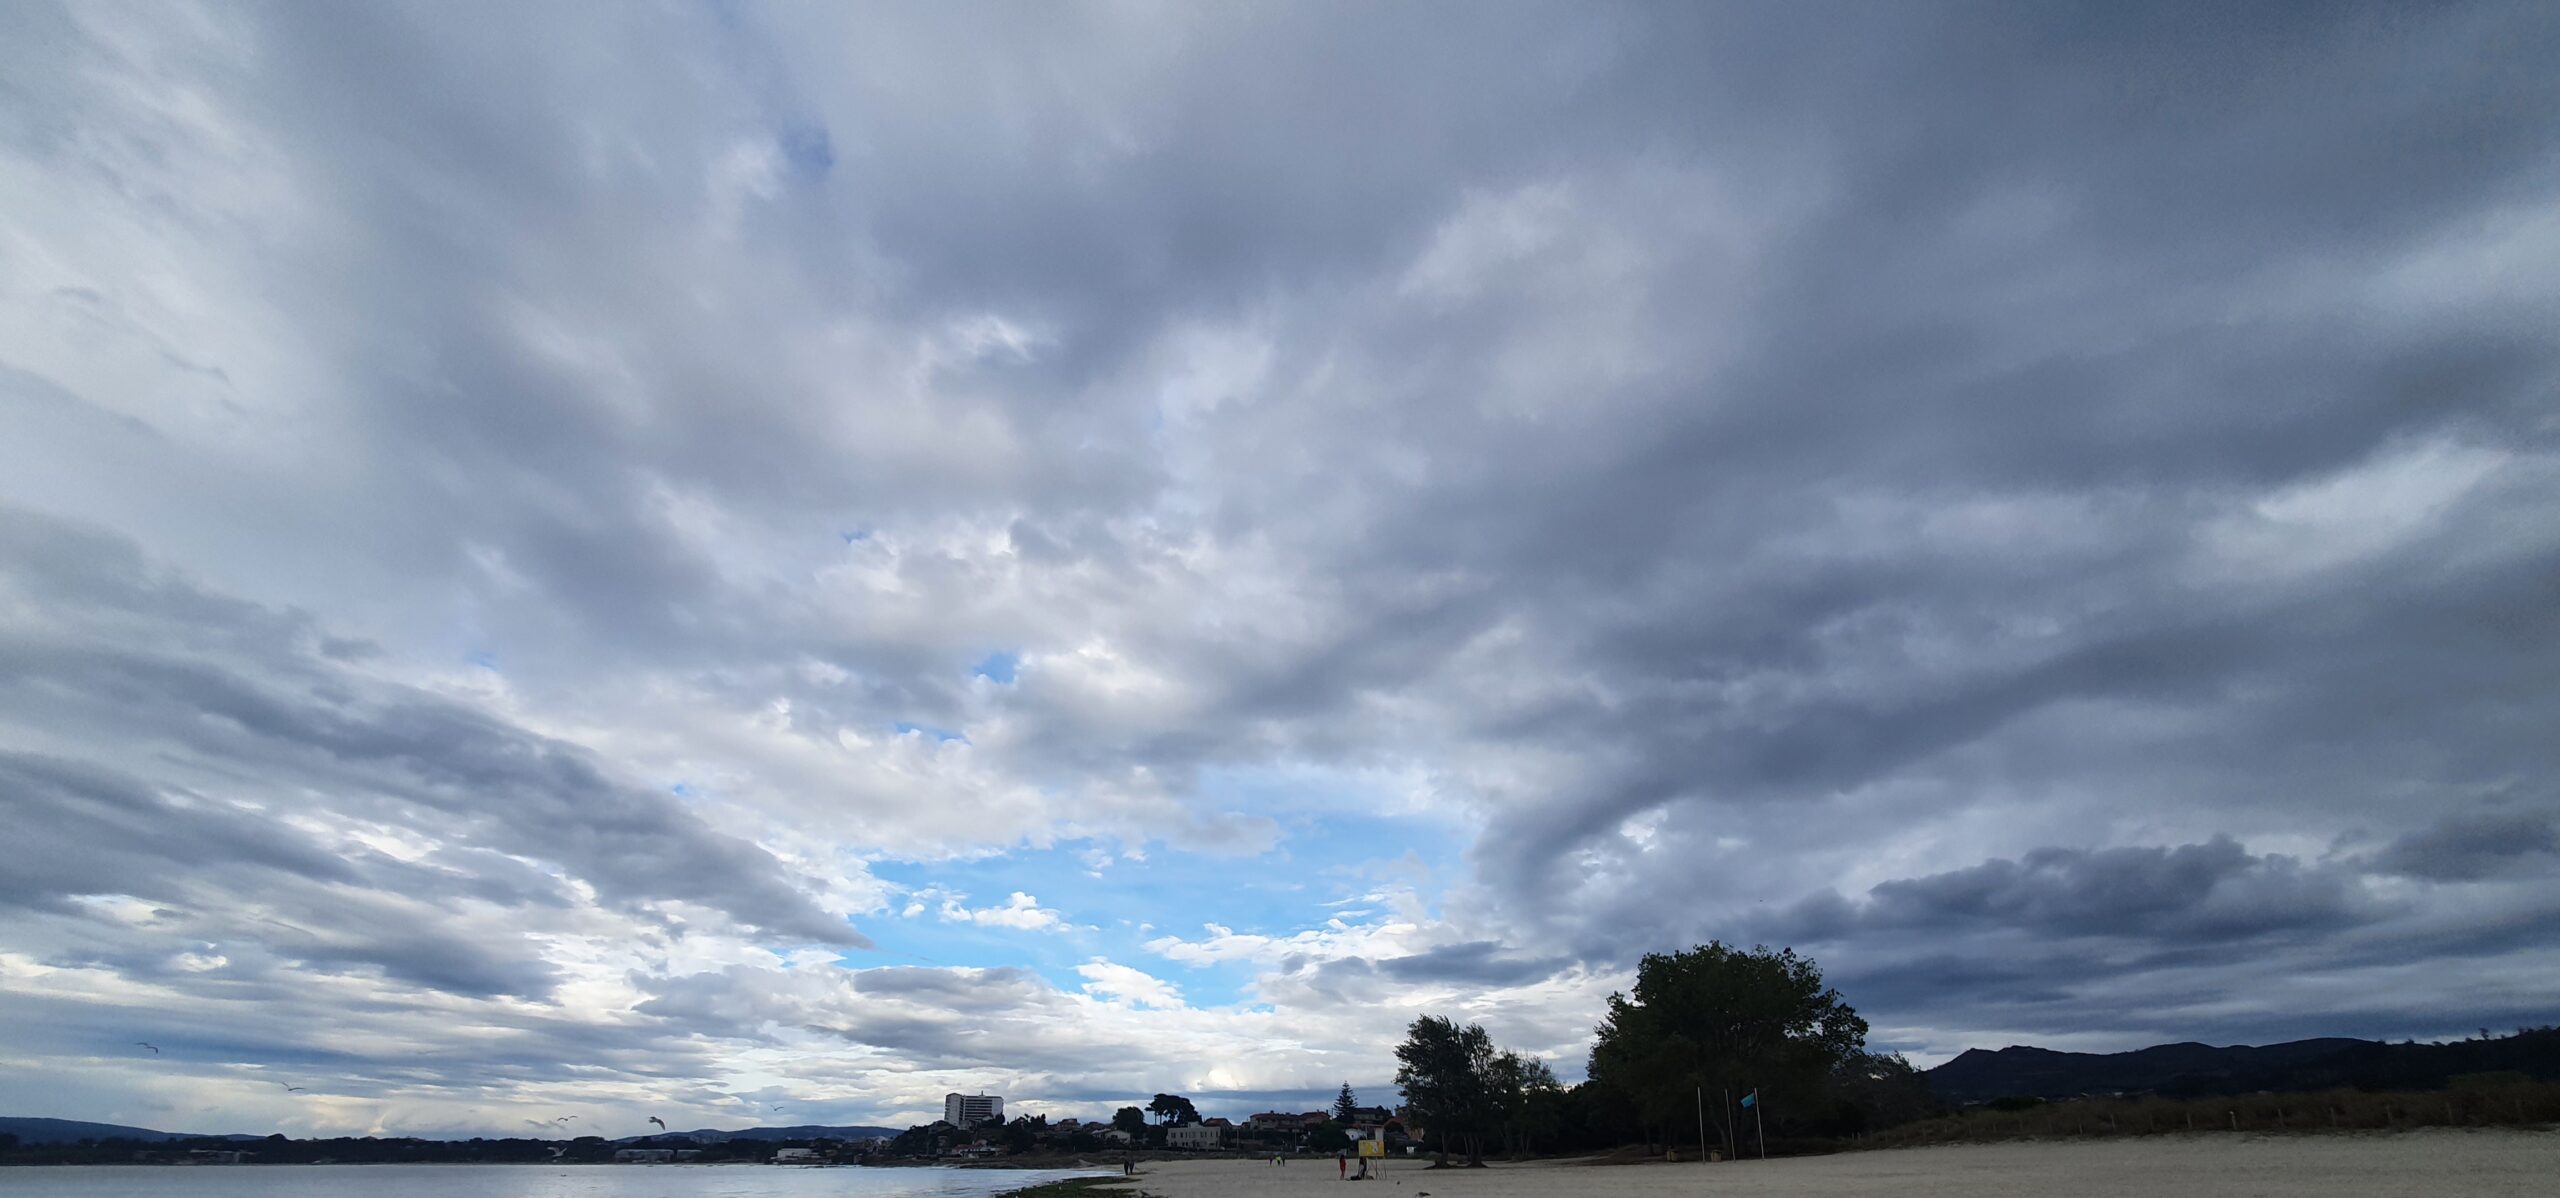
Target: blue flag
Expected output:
[1751,1099]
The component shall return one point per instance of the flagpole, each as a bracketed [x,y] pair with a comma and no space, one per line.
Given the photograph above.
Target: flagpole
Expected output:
[1725,1117]
[1702,1124]
[1760,1123]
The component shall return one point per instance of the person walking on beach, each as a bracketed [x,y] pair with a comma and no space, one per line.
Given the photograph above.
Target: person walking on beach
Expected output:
[1341,1165]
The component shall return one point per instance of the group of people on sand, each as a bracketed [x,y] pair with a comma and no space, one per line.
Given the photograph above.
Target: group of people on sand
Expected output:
[1341,1165]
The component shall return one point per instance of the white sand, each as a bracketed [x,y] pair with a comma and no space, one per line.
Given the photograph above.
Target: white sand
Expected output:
[2428,1163]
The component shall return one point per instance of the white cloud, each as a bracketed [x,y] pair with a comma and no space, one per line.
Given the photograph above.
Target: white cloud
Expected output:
[1109,980]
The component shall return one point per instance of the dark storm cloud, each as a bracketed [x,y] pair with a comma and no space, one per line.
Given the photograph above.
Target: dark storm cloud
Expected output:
[2214,889]
[2131,943]
[223,692]
[1476,962]
[954,988]
[78,830]
[2472,844]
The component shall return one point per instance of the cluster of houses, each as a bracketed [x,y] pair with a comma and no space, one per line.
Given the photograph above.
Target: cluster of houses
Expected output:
[654,1156]
[1296,1129]
[1267,1131]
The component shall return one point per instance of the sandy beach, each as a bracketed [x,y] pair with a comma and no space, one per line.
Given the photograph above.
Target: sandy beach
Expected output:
[2433,1163]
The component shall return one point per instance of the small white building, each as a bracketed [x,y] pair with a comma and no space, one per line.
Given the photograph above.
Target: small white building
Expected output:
[796,1156]
[1194,1136]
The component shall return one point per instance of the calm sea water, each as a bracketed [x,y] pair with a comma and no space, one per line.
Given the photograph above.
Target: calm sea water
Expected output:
[511,1181]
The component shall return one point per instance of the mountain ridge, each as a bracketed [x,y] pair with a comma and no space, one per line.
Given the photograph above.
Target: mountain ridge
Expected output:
[33,1129]
[2190,1068]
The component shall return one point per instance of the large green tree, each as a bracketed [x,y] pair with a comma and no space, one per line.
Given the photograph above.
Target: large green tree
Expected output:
[1174,1109]
[1129,1119]
[1345,1104]
[1528,1100]
[1724,1020]
[1875,1090]
[1447,1075]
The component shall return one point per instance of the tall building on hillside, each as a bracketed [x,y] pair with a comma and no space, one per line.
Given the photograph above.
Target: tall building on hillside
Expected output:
[970,1110]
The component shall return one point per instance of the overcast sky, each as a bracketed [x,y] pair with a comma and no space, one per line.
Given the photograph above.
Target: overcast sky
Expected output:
[693,559]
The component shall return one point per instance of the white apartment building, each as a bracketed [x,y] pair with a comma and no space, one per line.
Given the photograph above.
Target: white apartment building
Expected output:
[970,1110]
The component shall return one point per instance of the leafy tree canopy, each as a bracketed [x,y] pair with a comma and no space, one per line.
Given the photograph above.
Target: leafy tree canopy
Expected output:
[1725,1019]
[1174,1109]
[1447,1075]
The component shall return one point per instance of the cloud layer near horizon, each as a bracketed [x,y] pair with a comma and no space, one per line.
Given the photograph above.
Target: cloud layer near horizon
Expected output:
[718,557]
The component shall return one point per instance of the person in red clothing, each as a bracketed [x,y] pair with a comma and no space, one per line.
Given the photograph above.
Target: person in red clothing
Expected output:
[1341,1165]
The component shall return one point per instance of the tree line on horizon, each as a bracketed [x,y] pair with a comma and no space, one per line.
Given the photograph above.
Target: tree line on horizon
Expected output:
[1674,1054]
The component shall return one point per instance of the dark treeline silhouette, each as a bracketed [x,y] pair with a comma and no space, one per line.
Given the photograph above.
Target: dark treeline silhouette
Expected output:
[2503,1099]
[2194,1070]
[1701,1029]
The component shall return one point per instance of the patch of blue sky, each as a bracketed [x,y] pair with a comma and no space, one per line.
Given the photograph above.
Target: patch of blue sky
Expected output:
[998,666]
[943,734]
[1346,837]
[1346,857]
[1342,823]
[1170,892]
[485,659]
[854,536]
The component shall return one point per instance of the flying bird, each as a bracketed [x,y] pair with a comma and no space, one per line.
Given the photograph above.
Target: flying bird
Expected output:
[155,1049]
[292,1089]
[662,1124]
[777,1108]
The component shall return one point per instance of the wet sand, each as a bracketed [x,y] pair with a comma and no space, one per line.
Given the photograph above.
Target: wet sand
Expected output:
[2430,1163]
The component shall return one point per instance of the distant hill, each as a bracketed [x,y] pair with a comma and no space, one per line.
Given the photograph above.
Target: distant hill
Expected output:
[72,1131]
[2200,1069]
[806,1131]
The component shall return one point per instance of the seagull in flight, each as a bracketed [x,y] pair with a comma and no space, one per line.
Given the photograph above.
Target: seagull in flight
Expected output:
[662,1124]
[155,1049]
[293,1089]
